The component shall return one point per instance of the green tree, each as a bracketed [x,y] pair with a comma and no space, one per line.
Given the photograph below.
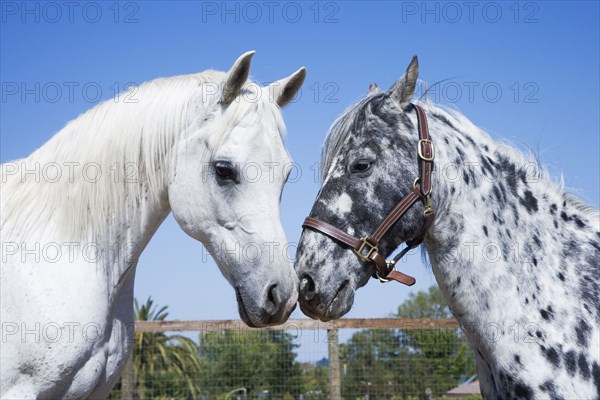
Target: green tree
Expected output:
[404,363]
[441,356]
[164,366]
[254,360]
[430,304]
[370,363]
[315,377]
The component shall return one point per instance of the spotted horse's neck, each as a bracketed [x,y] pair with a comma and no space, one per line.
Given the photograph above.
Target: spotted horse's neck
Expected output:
[517,260]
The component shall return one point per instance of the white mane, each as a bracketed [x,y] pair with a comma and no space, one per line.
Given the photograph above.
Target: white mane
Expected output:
[127,142]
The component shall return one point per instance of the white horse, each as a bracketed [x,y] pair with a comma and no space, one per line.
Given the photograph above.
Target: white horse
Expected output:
[73,229]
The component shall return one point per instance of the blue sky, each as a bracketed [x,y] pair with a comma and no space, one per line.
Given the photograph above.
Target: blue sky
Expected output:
[526,72]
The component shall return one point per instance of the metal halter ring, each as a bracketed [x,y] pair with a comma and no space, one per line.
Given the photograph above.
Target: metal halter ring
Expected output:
[382,280]
[417,180]
[392,266]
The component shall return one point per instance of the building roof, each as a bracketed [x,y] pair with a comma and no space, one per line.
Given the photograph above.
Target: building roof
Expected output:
[466,389]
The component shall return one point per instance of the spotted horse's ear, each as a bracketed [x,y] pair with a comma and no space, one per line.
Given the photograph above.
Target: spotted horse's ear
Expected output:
[373,89]
[404,88]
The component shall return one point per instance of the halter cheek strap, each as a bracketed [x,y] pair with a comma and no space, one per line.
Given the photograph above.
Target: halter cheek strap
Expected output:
[367,248]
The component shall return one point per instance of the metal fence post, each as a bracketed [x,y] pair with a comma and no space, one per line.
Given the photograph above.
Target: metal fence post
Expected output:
[335,382]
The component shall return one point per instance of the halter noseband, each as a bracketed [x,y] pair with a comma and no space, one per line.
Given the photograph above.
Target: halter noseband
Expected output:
[367,248]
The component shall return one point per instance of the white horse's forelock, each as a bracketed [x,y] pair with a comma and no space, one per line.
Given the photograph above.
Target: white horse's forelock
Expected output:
[104,154]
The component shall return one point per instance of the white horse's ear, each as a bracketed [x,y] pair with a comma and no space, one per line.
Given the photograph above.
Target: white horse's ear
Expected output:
[402,91]
[236,77]
[284,90]
[373,89]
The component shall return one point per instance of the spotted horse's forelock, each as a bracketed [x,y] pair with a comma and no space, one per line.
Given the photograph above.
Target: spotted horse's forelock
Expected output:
[514,255]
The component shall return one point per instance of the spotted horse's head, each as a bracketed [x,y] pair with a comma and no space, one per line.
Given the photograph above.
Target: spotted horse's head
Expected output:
[370,162]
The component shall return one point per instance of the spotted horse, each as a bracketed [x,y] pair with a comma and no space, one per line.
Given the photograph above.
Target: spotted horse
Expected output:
[517,258]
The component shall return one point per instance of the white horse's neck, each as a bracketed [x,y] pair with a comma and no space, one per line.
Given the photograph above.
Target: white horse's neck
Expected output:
[127,238]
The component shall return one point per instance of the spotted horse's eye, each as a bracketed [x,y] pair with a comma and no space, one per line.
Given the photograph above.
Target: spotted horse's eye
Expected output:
[360,166]
[225,171]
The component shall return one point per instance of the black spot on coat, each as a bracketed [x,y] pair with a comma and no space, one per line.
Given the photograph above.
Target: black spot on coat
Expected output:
[584,368]
[529,202]
[523,391]
[551,355]
[583,331]
[571,362]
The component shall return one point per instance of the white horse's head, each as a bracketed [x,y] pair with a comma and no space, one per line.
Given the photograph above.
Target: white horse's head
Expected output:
[225,186]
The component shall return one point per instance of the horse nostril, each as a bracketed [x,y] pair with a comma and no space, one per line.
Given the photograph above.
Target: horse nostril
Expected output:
[343,286]
[271,295]
[273,299]
[307,287]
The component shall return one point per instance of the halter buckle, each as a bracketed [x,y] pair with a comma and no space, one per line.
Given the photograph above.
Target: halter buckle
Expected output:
[366,245]
[420,150]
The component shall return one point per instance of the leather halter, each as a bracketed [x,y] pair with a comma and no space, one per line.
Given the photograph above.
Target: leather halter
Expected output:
[367,248]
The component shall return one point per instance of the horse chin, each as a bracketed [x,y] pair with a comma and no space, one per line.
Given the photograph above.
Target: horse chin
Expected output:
[335,308]
[249,318]
[242,310]
[259,318]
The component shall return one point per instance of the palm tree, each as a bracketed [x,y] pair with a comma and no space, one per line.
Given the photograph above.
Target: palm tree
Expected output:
[164,366]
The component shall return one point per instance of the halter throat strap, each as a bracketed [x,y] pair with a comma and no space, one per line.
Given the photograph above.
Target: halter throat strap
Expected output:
[367,248]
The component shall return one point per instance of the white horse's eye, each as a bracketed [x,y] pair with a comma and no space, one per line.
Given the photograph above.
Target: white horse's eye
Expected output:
[225,170]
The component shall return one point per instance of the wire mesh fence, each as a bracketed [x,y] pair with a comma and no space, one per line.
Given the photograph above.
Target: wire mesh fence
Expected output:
[388,358]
